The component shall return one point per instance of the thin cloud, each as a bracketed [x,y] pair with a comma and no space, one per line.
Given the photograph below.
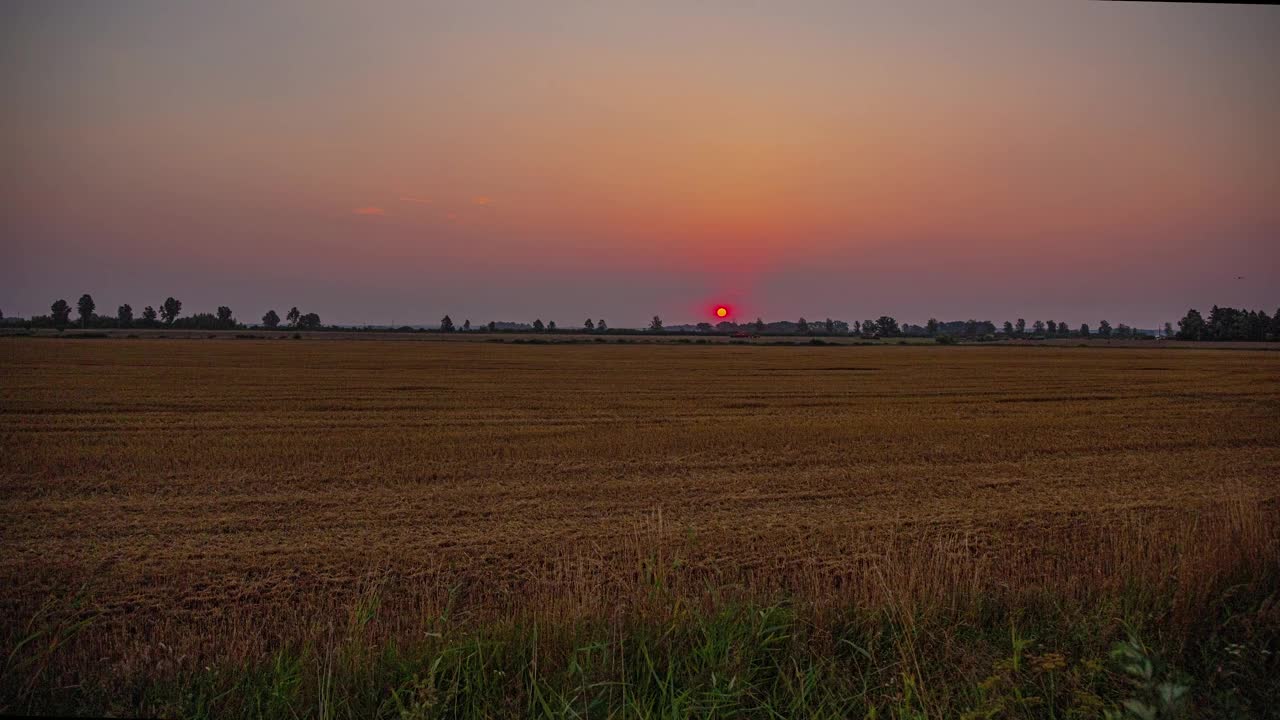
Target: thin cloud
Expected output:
[481,200]
[415,200]
[369,211]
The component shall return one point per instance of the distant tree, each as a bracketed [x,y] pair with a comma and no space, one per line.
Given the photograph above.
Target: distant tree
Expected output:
[466,325]
[224,316]
[1020,327]
[293,315]
[1168,330]
[589,326]
[857,327]
[803,326]
[601,326]
[60,311]
[869,327]
[271,319]
[551,326]
[1191,326]
[493,326]
[1008,328]
[1037,327]
[931,327]
[887,326]
[759,325]
[446,324]
[970,327]
[704,327]
[85,308]
[1104,329]
[124,315]
[1217,326]
[1123,331]
[1051,328]
[170,309]
[1084,330]
[1274,331]
[537,325]
[1259,325]
[310,321]
[830,326]
[655,325]
[149,315]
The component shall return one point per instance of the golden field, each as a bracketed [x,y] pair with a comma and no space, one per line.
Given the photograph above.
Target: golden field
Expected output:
[214,500]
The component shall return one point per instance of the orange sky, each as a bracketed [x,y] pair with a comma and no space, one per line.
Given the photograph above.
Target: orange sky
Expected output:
[504,160]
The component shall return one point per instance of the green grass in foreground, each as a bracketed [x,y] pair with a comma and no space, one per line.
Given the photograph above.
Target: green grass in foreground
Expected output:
[1045,659]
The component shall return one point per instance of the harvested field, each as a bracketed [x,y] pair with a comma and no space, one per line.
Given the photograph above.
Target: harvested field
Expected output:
[214,502]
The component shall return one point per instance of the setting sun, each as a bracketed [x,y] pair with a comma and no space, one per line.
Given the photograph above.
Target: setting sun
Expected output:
[722,311]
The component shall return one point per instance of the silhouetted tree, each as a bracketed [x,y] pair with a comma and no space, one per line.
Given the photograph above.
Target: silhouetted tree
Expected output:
[589,326]
[224,316]
[601,326]
[293,315]
[309,321]
[466,324]
[1274,331]
[60,311]
[1037,327]
[1168,330]
[149,315]
[1259,324]
[271,319]
[446,324]
[759,325]
[551,326]
[803,326]
[830,326]
[931,327]
[124,315]
[1020,327]
[704,327]
[1084,330]
[1219,323]
[537,325]
[887,326]
[85,307]
[1191,326]
[170,309]
[1104,329]
[655,325]
[493,326]
[1008,328]
[1051,328]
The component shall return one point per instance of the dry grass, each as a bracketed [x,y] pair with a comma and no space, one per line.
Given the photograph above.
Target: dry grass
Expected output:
[216,501]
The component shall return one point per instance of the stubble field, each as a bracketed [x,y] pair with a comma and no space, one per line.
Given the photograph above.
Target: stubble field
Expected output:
[180,517]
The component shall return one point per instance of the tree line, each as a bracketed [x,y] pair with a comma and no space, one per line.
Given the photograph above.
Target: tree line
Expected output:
[1222,324]
[1225,323]
[169,315]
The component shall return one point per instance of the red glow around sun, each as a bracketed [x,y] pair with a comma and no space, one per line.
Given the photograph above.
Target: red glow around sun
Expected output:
[722,311]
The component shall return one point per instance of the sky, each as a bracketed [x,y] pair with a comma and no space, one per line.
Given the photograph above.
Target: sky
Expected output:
[393,162]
